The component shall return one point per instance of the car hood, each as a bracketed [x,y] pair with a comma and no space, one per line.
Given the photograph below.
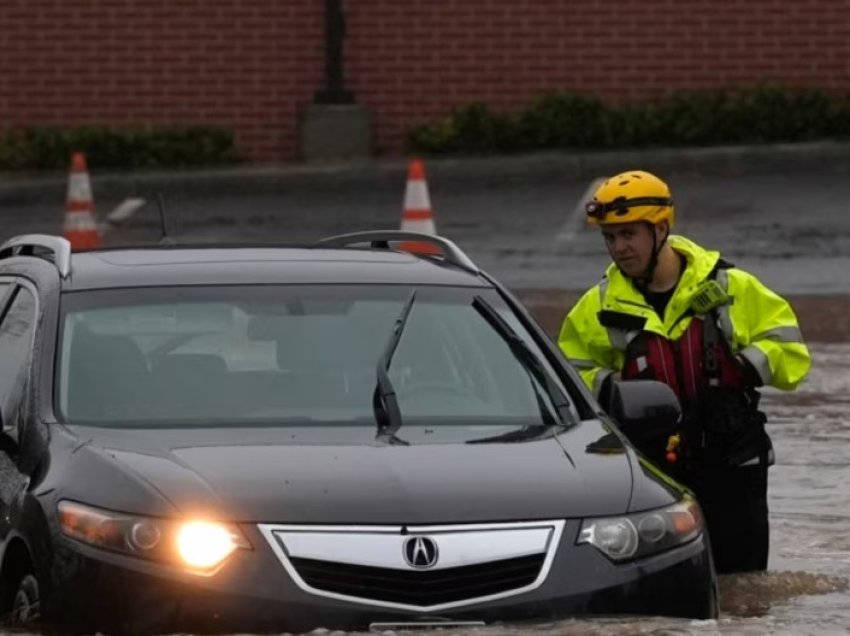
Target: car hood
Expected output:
[264,478]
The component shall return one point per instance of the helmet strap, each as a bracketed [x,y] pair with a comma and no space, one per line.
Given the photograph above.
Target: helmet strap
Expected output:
[642,282]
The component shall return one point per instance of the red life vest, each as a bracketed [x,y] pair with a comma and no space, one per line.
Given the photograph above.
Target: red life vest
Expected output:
[684,364]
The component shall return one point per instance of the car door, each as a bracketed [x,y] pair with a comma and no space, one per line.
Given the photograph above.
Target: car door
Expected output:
[18,320]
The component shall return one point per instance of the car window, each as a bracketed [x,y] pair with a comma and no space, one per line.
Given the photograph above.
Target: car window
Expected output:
[286,355]
[16,338]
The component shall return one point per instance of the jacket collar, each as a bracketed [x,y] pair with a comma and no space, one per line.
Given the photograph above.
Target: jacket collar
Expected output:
[622,295]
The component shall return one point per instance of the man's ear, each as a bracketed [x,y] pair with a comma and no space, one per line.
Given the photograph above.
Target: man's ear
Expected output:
[662,230]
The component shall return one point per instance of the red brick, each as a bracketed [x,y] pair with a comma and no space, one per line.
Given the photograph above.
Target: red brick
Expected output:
[253,64]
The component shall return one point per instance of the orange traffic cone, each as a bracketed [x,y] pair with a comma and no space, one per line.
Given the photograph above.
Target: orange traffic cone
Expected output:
[80,226]
[417,215]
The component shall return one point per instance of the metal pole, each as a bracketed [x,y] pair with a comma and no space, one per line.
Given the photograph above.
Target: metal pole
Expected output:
[334,91]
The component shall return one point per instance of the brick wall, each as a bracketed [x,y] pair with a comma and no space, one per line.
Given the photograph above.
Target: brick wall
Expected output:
[248,64]
[253,64]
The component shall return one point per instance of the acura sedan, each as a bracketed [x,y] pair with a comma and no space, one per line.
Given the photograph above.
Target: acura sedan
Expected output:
[341,435]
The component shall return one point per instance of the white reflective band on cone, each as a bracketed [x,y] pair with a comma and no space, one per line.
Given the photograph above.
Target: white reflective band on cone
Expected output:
[416,196]
[425,226]
[79,188]
[79,221]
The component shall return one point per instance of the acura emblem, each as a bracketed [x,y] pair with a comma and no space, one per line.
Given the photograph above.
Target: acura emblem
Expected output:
[420,552]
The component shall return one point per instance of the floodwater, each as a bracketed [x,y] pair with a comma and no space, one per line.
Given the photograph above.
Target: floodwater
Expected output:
[516,231]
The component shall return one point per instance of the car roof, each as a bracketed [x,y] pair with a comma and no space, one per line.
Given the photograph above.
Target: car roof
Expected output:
[199,265]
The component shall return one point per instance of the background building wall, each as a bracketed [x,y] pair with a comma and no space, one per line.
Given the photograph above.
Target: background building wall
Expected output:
[254,65]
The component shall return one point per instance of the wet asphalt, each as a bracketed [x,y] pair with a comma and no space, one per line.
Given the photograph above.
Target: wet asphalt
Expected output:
[791,229]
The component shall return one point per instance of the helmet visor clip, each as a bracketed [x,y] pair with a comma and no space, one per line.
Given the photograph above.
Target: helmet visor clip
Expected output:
[595,209]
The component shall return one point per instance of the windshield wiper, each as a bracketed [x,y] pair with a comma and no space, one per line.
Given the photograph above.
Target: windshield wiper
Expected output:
[524,434]
[384,400]
[527,358]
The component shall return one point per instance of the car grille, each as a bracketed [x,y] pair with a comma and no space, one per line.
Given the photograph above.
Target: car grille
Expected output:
[422,588]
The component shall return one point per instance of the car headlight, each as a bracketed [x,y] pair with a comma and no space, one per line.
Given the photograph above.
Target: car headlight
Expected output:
[197,545]
[642,534]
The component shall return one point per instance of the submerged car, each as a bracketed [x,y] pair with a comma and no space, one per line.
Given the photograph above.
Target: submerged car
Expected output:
[341,435]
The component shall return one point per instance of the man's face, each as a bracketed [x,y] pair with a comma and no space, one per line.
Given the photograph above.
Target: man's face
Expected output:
[630,245]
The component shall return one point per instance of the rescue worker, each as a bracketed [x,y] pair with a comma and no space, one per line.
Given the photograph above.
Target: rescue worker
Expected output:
[670,310]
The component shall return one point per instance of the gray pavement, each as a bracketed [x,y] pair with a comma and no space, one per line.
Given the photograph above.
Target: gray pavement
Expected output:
[779,211]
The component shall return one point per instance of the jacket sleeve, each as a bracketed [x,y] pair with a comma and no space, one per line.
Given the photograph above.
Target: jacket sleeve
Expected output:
[767,331]
[585,342]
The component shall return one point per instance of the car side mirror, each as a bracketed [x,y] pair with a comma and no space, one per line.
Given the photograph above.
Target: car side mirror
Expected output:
[647,412]
[644,400]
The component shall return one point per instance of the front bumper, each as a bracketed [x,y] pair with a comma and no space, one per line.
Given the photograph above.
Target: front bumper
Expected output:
[253,592]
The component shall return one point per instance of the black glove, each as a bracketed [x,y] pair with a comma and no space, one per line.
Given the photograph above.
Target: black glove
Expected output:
[751,376]
[733,427]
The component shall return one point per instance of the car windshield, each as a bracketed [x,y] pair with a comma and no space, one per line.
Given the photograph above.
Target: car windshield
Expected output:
[293,355]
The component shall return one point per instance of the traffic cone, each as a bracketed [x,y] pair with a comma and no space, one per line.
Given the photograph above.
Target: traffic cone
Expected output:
[417,215]
[80,227]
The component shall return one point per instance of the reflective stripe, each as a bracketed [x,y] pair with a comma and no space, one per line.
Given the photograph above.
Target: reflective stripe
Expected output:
[724,320]
[600,378]
[603,373]
[755,461]
[781,334]
[620,338]
[582,364]
[760,363]
[617,338]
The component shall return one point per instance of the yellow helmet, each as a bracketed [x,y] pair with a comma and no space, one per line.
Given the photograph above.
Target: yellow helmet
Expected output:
[631,196]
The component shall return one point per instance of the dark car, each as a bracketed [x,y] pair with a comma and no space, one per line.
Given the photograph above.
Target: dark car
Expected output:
[340,435]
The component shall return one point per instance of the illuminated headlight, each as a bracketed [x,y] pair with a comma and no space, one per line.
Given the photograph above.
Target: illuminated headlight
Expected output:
[198,546]
[642,534]
[204,545]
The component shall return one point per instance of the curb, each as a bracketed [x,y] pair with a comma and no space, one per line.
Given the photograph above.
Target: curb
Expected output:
[731,161]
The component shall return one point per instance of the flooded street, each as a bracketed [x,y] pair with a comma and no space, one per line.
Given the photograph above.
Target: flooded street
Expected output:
[810,489]
[517,233]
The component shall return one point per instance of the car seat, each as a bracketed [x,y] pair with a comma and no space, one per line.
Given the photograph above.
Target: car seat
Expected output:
[107,377]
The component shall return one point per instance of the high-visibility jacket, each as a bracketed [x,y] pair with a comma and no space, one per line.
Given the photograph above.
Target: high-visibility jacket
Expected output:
[758,324]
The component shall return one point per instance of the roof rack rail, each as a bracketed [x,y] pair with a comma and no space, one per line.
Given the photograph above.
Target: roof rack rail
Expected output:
[381,238]
[40,246]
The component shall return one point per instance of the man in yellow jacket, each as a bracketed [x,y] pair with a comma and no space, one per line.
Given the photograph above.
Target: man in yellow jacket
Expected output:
[669,310]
